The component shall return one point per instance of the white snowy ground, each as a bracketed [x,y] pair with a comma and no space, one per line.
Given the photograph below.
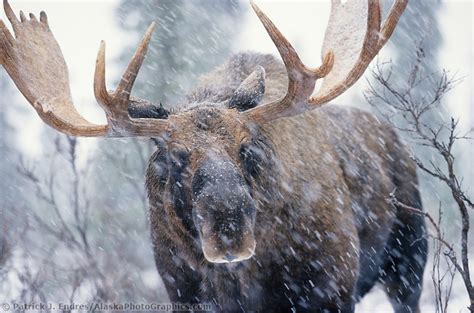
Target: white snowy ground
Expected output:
[377,302]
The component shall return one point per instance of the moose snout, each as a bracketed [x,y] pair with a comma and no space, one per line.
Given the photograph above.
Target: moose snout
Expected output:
[223,211]
[227,237]
[219,248]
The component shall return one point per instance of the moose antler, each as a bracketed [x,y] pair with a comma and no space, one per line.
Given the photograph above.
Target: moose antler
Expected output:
[353,38]
[35,63]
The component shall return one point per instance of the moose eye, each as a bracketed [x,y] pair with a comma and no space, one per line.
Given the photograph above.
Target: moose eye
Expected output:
[179,158]
[252,158]
[199,181]
[159,166]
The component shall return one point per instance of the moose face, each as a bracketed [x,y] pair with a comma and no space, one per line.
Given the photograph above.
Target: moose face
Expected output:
[206,170]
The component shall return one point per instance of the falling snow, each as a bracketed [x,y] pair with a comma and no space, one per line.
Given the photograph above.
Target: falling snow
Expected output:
[75,217]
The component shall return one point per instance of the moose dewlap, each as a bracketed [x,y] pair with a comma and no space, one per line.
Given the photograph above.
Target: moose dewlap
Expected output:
[257,201]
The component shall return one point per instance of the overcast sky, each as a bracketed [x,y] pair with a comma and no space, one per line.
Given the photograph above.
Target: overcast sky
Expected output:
[80,25]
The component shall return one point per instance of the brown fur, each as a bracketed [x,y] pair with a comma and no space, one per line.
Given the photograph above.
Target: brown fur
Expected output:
[324,230]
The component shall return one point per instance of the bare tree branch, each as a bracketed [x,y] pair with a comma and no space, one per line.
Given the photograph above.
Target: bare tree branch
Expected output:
[408,113]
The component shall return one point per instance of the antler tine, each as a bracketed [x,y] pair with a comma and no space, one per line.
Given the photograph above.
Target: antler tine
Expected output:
[391,21]
[117,102]
[6,41]
[287,52]
[128,78]
[11,16]
[349,46]
[44,18]
[100,89]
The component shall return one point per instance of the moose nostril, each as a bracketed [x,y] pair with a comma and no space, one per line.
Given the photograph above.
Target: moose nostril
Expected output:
[230,257]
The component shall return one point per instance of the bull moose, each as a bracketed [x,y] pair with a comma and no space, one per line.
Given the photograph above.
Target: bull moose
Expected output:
[261,198]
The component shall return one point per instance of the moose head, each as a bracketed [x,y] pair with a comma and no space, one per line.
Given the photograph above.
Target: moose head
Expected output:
[211,156]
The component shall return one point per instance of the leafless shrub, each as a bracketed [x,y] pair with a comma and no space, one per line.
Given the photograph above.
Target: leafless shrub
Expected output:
[68,232]
[412,114]
[59,256]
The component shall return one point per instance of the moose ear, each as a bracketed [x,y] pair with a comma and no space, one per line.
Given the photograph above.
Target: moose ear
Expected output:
[250,92]
[143,109]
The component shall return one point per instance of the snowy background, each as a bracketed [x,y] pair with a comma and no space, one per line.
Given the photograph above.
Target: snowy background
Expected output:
[198,37]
